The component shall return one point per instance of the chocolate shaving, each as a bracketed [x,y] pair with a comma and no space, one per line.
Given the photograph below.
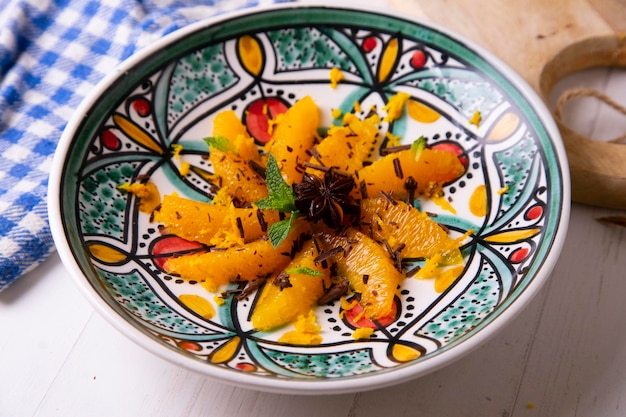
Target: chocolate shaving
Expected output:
[372,112]
[141,177]
[257,169]
[317,156]
[157,208]
[326,169]
[396,255]
[397,168]
[242,232]
[328,254]
[349,247]
[262,222]
[389,198]
[282,280]
[413,271]
[394,149]
[399,249]
[388,248]
[334,293]
[250,287]
[363,189]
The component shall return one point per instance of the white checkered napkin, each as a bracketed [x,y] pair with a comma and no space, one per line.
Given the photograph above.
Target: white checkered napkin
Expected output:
[52,53]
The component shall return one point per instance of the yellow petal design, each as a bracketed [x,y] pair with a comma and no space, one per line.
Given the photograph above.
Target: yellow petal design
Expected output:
[227,351]
[388,60]
[107,254]
[250,54]
[404,353]
[422,113]
[136,133]
[447,277]
[506,125]
[206,175]
[199,304]
[512,236]
[478,201]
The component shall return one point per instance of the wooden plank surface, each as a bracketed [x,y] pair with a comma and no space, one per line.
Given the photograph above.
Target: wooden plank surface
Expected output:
[524,34]
[544,41]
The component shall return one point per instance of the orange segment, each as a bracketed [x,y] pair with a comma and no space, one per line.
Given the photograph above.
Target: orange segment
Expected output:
[368,269]
[346,147]
[276,307]
[228,125]
[293,138]
[400,224]
[432,170]
[201,222]
[238,263]
[236,179]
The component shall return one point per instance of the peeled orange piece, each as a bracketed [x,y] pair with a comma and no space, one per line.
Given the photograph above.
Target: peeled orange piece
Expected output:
[238,263]
[293,137]
[236,178]
[368,269]
[227,124]
[346,147]
[432,169]
[201,222]
[277,306]
[403,226]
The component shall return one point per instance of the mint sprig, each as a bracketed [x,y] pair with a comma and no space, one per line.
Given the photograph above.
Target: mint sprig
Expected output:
[418,147]
[304,270]
[221,143]
[279,231]
[280,197]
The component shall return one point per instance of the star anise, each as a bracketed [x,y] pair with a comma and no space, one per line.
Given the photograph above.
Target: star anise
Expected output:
[327,199]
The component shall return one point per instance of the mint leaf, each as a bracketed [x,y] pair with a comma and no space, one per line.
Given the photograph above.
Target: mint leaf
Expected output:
[280,195]
[221,143]
[418,147]
[304,270]
[279,231]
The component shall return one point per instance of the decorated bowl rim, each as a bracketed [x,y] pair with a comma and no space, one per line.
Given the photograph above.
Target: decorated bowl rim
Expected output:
[305,386]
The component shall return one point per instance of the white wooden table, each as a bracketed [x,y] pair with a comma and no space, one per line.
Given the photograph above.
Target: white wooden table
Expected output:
[564,355]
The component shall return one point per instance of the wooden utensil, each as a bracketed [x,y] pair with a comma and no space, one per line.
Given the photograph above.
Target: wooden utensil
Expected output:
[544,41]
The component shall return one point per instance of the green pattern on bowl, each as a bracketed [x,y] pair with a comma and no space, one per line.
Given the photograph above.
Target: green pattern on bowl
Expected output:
[169,96]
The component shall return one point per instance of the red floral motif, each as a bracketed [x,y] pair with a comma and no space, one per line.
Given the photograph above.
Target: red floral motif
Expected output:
[418,60]
[534,213]
[258,115]
[369,44]
[169,246]
[141,106]
[454,148]
[356,319]
[519,255]
[110,140]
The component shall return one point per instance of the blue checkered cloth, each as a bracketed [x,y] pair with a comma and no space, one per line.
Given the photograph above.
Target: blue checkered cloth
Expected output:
[52,54]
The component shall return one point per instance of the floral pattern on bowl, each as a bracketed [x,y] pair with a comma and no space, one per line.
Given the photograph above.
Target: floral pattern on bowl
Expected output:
[261,61]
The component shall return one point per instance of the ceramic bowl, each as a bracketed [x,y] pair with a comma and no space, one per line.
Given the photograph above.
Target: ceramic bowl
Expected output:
[169,93]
